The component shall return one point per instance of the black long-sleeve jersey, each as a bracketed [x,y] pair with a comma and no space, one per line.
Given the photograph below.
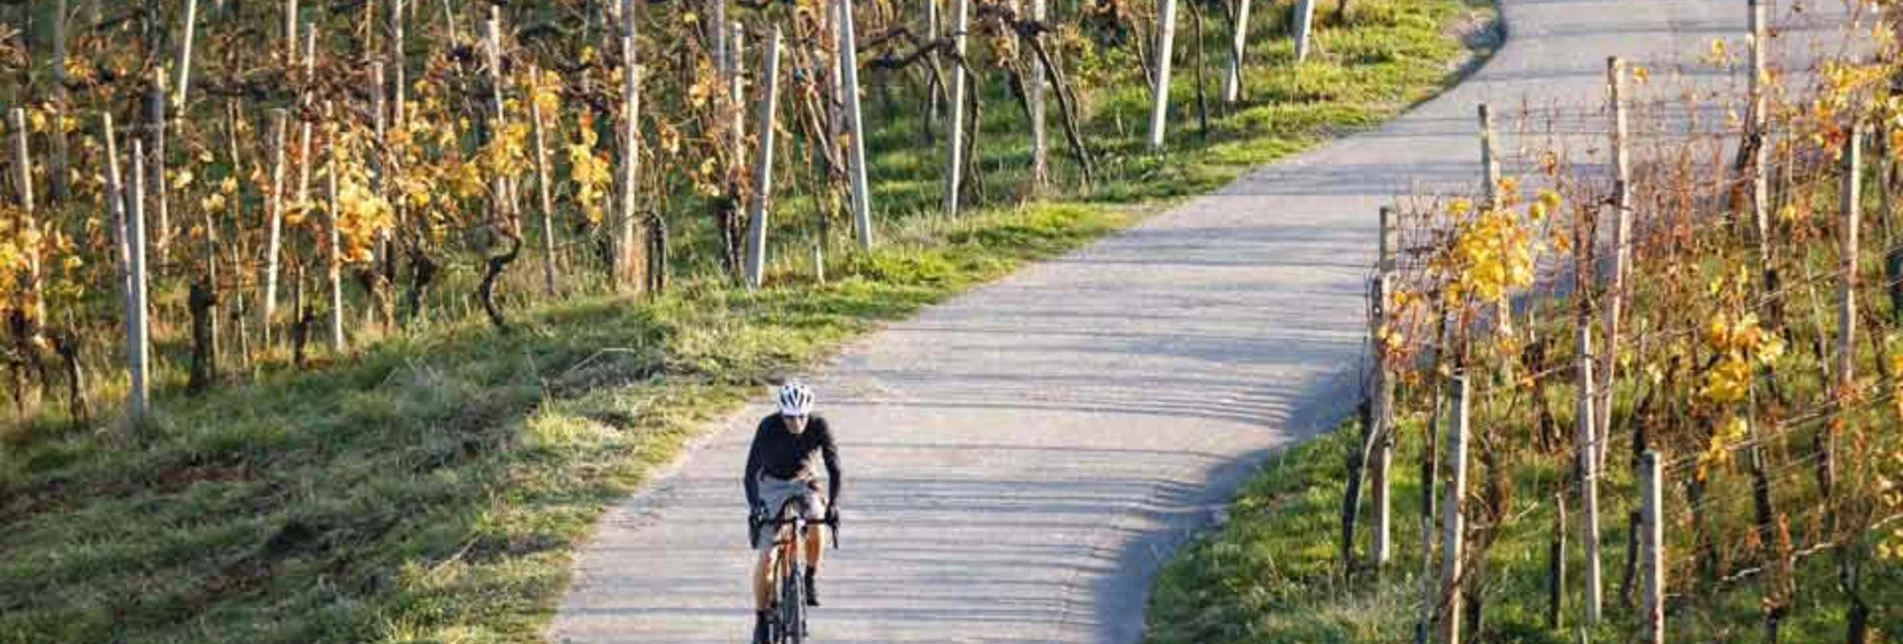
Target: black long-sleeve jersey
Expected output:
[778,453]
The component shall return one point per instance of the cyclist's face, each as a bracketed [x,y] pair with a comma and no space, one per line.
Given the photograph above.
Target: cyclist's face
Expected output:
[795,424]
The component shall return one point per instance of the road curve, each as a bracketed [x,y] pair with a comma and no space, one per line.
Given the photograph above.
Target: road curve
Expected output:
[1022,457]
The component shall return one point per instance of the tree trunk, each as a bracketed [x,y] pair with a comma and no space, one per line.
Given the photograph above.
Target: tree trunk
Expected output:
[492,269]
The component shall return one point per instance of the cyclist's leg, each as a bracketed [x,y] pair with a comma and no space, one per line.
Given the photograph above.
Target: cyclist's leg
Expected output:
[763,577]
[814,535]
[815,531]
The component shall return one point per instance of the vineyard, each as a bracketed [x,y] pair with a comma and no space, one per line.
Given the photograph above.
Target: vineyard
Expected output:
[340,322]
[1643,388]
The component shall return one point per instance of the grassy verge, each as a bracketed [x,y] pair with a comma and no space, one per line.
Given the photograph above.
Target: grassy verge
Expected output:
[1273,572]
[434,486]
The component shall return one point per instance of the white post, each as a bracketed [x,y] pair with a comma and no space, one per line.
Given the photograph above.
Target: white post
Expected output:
[333,251]
[737,94]
[1304,28]
[274,226]
[161,231]
[116,191]
[763,166]
[184,56]
[1160,86]
[1758,117]
[1652,543]
[1232,82]
[1588,456]
[1034,90]
[1453,520]
[1383,400]
[35,295]
[304,132]
[381,174]
[955,154]
[290,32]
[1621,248]
[397,64]
[856,161]
[1852,205]
[542,177]
[138,326]
[1490,170]
[628,267]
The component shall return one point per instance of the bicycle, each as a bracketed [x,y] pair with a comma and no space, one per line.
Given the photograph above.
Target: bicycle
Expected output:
[787,623]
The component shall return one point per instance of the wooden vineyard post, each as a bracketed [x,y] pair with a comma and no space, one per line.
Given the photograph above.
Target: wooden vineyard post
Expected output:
[544,192]
[737,95]
[161,232]
[34,296]
[1238,44]
[955,152]
[1452,525]
[1621,249]
[274,224]
[1371,461]
[1556,564]
[185,57]
[1383,402]
[138,326]
[1844,376]
[116,192]
[1489,162]
[290,32]
[1304,28]
[1588,464]
[397,73]
[629,260]
[763,166]
[1160,85]
[1034,91]
[1652,541]
[333,239]
[1852,206]
[1758,118]
[856,153]
[304,125]
[1490,174]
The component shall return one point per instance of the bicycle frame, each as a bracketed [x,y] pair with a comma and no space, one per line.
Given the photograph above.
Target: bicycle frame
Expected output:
[788,621]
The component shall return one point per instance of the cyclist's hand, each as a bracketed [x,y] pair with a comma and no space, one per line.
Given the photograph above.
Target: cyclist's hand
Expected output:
[757,514]
[832,515]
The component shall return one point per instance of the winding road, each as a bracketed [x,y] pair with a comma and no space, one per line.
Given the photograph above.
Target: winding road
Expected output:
[1021,458]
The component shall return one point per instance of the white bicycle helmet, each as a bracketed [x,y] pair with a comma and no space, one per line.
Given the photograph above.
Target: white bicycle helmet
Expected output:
[795,398]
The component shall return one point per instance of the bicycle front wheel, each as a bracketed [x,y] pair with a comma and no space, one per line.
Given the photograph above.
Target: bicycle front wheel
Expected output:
[793,608]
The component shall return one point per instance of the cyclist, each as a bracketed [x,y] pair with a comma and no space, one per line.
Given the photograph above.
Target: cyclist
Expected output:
[782,467]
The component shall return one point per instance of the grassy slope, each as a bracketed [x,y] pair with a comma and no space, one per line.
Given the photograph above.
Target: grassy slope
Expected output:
[434,486]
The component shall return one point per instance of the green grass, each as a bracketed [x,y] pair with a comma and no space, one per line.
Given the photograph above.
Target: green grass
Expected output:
[1273,572]
[434,485]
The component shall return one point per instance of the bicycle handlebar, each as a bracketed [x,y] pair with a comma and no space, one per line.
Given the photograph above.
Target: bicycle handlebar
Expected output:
[832,522]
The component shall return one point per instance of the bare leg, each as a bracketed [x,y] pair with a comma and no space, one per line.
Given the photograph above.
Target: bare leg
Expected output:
[815,537]
[763,579]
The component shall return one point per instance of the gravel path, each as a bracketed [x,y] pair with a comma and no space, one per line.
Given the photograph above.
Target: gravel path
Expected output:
[1021,458]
